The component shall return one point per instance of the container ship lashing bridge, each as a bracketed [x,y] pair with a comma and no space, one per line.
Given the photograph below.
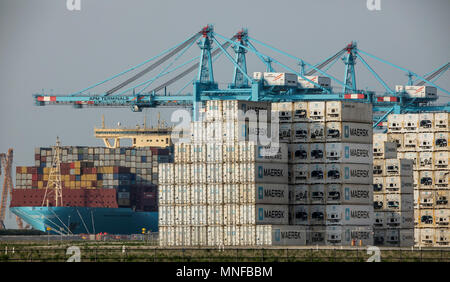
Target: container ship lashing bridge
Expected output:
[418,94]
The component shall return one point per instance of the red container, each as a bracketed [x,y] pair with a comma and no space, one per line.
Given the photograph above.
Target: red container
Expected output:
[72,165]
[18,169]
[44,159]
[72,177]
[37,157]
[34,177]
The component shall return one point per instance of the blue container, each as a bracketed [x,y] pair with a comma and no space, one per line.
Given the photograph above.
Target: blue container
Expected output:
[99,176]
[143,159]
[116,176]
[78,177]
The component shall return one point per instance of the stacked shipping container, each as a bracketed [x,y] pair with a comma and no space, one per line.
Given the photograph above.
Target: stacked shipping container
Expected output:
[132,172]
[224,189]
[330,156]
[393,195]
[423,138]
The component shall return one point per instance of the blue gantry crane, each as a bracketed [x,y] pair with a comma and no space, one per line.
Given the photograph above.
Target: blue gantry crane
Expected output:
[418,95]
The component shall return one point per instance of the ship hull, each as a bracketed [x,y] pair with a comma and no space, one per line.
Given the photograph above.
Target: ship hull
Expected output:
[88,220]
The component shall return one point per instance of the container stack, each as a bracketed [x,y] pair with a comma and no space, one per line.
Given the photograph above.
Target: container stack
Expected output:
[226,188]
[393,195]
[330,157]
[131,172]
[423,138]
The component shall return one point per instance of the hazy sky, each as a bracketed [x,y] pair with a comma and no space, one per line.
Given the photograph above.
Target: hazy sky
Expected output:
[46,46]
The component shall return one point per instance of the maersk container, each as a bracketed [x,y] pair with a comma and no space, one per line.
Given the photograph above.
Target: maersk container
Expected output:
[441,121]
[399,184]
[214,152]
[425,161]
[349,215]
[198,131]
[166,215]
[182,152]
[230,214]
[426,237]
[410,122]
[231,173]
[396,138]
[300,132]
[442,199]
[349,153]
[299,174]
[442,237]
[182,173]
[426,199]
[348,111]
[277,78]
[198,152]
[214,110]
[182,194]
[400,167]
[198,194]
[247,235]
[274,153]
[317,214]
[235,110]
[199,215]
[298,153]
[399,202]
[345,194]
[402,220]
[231,193]
[300,112]
[268,193]
[406,237]
[215,235]
[348,173]
[182,215]
[167,236]
[258,132]
[425,179]
[317,153]
[316,111]
[309,82]
[349,235]
[283,110]
[246,214]
[349,132]
[425,141]
[231,235]
[441,179]
[441,141]
[214,132]
[215,215]
[317,194]
[410,141]
[316,235]
[395,123]
[198,173]
[264,173]
[230,152]
[280,235]
[413,91]
[214,194]
[316,132]
[271,214]
[426,122]
[214,173]
[166,194]
[384,150]
[299,194]
[442,217]
[379,220]
[166,173]
[285,132]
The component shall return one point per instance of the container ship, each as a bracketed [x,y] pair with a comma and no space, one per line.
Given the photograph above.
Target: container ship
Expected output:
[102,190]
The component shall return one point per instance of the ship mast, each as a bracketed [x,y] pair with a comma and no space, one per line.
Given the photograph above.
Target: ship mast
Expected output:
[54,179]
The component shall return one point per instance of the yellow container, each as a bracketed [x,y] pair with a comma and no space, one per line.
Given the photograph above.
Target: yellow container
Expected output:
[77,164]
[77,171]
[40,184]
[45,177]
[24,169]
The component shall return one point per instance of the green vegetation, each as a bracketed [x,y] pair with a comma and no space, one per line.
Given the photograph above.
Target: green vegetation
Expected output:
[131,251]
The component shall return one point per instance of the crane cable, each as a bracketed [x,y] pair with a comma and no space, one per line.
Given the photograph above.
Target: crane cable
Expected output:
[311,72]
[192,68]
[433,75]
[154,65]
